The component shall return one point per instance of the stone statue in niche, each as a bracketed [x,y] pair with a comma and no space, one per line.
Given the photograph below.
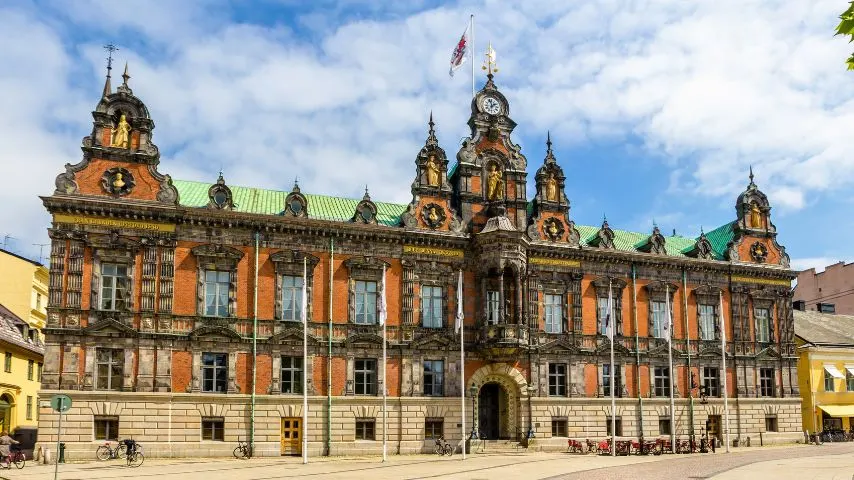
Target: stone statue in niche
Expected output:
[121,134]
[117,181]
[494,184]
[432,171]
[755,216]
[551,188]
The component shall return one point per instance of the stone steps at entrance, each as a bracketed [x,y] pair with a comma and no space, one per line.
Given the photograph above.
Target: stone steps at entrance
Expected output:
[496,447]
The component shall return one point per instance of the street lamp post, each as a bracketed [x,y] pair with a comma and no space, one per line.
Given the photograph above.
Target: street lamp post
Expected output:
[472,394]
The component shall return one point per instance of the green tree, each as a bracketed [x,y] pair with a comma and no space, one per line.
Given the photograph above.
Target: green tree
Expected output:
[846,27]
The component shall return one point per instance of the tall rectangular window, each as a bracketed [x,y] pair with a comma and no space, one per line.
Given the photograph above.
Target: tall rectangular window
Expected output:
[366,302]
[664,426]
[606,380]
[30,367]
[29,407]
[38,301]
[554,313]
[771,423]
[107,428]
[434,377]
[766,382]
[431,306]
[365,373]
[291,375]
[39,372]
[603,312]
[217,285]
[7,362]
[291,298]
[661,378]
[109,368]
[707,321]
[213,428]
[557,379]
[828,381]
[215,372]
[659,319]
[114,286]
[619,424]
[712,381]
[763,325]
[493,303]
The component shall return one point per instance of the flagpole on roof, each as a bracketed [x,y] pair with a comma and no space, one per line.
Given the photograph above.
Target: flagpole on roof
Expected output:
[304,318]
[383,319]
[471,52]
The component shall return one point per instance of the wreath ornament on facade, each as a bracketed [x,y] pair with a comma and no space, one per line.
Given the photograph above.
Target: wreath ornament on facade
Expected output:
[117,181]
[758,252]
[433,215]
[553,229]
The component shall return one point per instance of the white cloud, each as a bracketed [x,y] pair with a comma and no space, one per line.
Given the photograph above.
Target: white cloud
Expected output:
[818,263]
[708,87]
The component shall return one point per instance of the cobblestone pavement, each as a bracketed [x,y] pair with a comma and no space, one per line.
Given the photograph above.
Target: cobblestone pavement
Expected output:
[542,466]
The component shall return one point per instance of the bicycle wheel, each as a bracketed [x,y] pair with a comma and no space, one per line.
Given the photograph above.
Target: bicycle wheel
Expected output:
[20,460]
[241,452]
[121,451]
[103,452]
[449,450]
[135,459]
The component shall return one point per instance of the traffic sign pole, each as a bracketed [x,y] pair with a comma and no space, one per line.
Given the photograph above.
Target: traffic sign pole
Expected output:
[58,432]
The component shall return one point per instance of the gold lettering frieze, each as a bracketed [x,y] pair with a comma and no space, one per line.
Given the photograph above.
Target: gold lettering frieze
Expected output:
[557,262]
[113,222]
[442,252]
[762,281]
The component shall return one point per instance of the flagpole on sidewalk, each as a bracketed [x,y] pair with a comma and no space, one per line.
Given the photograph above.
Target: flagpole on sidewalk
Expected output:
[304,360]
[471,26]
[458,324]
[610,333]
[670,366]
[723,370]
[385,389]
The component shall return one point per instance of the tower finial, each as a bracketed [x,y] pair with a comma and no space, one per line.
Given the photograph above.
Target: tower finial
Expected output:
[489,62]
[751,175]
[110,48]
[431,132]
[125,75]
[548,140]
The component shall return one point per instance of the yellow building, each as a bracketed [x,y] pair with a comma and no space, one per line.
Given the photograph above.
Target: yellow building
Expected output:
[20,377]
[23,288]
[825,344]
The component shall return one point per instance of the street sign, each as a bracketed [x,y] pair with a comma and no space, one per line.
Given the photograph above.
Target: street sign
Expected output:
[60,403]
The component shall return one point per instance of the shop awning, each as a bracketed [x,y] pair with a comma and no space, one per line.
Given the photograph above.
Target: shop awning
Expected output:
[838,410]
[831,369]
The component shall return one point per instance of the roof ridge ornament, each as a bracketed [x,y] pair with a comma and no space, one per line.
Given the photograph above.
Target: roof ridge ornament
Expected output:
[550,156]
[110,48]
[431,132]
[490,67]
[124,87]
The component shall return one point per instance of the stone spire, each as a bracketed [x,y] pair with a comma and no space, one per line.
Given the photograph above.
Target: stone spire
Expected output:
[431,132]
[108,88]
[124,87]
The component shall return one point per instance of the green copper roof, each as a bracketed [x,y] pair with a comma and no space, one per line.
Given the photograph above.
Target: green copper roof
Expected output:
[271,202]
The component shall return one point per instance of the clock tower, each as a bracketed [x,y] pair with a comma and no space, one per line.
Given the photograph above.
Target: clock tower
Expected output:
[490,177]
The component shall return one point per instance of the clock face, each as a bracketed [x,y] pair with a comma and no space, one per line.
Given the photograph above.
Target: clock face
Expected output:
[491,106]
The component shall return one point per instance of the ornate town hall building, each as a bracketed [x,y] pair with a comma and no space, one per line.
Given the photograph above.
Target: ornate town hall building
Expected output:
[158,287]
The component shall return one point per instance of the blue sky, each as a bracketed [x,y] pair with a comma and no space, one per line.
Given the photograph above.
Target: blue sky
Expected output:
[656,107]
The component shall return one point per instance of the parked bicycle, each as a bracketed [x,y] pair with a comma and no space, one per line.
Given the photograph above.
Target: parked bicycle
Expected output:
[242,450]
[107,452]
[135,456]
[17,457]
[443,447]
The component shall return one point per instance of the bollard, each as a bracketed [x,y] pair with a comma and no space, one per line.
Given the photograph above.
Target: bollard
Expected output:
[761,440]
[61,457]
[46,458]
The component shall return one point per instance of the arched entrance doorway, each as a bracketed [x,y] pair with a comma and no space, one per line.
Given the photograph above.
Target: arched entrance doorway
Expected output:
[501,389]
[7,403]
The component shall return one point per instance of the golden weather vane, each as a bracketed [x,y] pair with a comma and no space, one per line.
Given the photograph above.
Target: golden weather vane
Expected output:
[489,61]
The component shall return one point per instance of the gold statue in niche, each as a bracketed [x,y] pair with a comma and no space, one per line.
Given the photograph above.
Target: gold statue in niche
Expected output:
[494,184]
[121,133]
[551,188]
[755,216]
[432,171]
[118,183]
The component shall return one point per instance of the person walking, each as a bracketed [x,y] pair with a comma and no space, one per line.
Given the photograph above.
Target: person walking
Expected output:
[5,454]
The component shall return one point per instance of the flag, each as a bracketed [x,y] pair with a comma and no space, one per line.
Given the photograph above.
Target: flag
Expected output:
[461,51]
[458,324]
[382,310]
[609,329]
[668,319]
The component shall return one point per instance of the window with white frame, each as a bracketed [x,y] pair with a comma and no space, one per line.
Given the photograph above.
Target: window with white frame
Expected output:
[659,318]
[492,307]
[606,380]
[431,306]
[828,381]
[366,302]
[661,381]
[602,314]
[292,298]
[217,285]
[109,368]
[763,325]
[707,321]
[114,286]
[554,313]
